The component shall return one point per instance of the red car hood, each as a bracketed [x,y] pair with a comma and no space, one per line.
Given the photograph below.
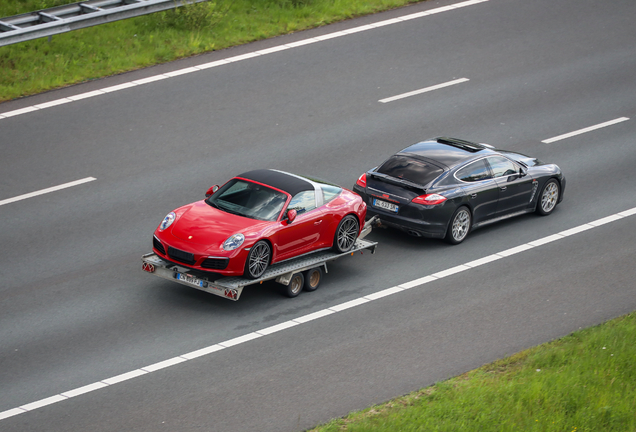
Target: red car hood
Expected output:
[202,224]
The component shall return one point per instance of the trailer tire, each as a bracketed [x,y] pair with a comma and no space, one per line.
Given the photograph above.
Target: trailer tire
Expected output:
[313,277]
[295,285]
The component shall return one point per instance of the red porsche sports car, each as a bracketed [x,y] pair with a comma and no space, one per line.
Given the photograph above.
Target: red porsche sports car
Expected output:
[259,218]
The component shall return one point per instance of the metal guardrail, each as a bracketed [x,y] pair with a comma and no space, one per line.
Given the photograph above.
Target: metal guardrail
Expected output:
[61,19]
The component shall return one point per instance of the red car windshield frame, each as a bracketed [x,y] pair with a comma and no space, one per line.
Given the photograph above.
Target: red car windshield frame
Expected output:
[250,199]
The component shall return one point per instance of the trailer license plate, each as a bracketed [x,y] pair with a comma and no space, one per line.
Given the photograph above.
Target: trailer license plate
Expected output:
[385,205]
[190,279]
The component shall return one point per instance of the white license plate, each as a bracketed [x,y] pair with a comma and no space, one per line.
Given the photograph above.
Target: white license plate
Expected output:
[385,205]
[191,280]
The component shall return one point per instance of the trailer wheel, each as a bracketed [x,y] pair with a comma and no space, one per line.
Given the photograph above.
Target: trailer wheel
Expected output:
[313,277]
[295,285]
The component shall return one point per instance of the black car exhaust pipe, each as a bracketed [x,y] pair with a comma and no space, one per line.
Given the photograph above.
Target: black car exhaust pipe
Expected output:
[415,233]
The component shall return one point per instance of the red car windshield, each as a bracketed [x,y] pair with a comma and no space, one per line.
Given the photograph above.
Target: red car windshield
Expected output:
[249,200]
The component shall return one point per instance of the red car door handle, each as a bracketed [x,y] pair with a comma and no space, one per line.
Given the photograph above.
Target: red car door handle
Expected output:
[318,222]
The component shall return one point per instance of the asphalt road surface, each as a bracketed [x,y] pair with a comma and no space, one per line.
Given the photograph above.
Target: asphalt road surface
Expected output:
[90,342]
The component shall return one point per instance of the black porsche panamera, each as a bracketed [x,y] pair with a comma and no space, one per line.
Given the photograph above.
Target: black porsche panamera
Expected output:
[445,187]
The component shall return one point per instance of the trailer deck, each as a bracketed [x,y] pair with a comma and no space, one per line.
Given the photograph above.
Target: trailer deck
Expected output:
[232,287]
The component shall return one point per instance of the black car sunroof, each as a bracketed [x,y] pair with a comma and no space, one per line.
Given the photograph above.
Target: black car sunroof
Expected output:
[462,144]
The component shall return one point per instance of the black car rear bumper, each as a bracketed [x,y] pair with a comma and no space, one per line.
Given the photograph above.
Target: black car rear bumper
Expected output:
[414,228]
[433,226]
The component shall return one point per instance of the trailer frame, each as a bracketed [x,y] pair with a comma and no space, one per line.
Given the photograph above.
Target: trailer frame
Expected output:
[231,287]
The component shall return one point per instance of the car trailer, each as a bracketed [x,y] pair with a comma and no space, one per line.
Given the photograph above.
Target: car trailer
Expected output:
[304,272]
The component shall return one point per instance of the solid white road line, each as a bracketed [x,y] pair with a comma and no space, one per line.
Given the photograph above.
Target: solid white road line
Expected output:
[315,315]
[424,90]
[417,282]
[237,58]
[43,402]
[584,130]
[47,190]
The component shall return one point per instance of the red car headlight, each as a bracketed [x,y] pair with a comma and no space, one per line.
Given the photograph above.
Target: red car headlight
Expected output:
[167,221]
[234,242]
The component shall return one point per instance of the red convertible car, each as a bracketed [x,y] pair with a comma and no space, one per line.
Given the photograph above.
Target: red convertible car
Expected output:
[259,218]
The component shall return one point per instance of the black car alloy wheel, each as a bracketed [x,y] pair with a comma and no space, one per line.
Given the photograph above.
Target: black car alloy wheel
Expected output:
[548,198]
[459,226]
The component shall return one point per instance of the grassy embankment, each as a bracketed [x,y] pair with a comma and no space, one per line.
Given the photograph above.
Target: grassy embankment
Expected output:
[585,382]
[35,66]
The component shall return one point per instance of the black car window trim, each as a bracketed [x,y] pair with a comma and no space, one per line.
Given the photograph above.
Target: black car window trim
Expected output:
[521,158]
[514,162]
[492,176]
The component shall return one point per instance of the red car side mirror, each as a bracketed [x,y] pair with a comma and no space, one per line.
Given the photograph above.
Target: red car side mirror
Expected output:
[212,190]
[291,215]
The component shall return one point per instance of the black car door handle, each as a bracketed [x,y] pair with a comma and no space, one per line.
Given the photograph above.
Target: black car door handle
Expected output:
[474,195]
[503,188]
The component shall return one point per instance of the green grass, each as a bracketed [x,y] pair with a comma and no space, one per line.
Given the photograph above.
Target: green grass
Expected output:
[583,382]
[35,66]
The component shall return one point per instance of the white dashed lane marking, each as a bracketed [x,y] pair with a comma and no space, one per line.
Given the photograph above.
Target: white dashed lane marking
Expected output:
[585,130]
[47,190]
[424,90]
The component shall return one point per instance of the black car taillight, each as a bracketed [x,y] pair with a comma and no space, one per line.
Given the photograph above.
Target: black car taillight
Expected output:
[429,199]
[362,180]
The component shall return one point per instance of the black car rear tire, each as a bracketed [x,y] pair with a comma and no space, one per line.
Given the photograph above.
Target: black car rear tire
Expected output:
[257,260]
[548,198]
[459,226]
[346,234]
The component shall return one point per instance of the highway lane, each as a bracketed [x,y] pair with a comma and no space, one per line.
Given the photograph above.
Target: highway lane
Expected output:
[76,309]
[302,376]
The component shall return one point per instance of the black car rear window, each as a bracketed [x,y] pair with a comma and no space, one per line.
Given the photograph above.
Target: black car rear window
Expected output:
[408,168]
